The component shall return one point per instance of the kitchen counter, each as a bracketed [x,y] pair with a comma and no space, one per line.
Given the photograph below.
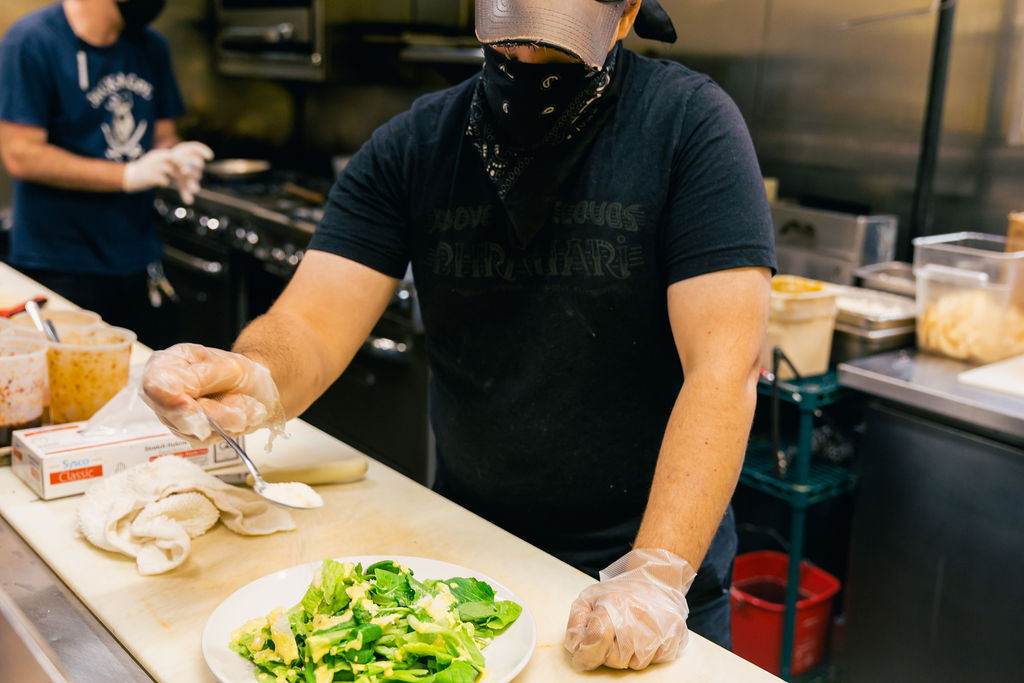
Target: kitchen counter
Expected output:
[929,383]
[158,620]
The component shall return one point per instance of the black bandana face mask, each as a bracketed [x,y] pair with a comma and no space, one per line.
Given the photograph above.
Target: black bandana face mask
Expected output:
[138,13]
[532,124]
[525,99]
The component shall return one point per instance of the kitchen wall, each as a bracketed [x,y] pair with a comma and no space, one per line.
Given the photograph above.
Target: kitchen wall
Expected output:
[835,95]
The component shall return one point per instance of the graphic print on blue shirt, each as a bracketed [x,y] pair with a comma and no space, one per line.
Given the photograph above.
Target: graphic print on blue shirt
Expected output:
[117,93]
[96,102]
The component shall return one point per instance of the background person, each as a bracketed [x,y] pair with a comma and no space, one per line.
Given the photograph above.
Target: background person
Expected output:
[86,130]
[586,226]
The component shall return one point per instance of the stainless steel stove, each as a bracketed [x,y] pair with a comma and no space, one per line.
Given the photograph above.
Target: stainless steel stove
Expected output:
[229,256]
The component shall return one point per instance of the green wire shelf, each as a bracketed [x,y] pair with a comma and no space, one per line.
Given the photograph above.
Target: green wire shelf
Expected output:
[824,480]
[810,392]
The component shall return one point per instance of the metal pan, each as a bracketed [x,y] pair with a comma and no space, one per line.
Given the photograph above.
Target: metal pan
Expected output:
[236,168]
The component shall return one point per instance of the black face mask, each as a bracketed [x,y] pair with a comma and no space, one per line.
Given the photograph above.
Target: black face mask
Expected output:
[526,99]
[138,13]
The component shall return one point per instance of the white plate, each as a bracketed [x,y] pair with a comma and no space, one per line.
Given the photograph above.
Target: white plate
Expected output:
[506,655]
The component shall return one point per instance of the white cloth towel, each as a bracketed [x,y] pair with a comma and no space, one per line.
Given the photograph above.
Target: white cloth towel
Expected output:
[152,511]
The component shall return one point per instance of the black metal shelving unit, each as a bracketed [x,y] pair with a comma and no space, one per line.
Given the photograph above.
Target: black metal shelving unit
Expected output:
[800,483]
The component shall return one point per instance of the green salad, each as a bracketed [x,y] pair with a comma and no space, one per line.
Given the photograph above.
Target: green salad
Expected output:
[377,624]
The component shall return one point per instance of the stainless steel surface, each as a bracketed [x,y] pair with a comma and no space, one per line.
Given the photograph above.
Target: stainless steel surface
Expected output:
[928,383]
[830,245]
[194,262]
[81,646]
[894,277]
[32,308]
[276,41]
[259,484]
[868,310]
[850,343]
[236,168]
[298,39]
[836,103]
[24,657]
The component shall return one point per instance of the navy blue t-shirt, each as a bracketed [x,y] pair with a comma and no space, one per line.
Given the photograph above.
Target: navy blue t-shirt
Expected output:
[554,368]
[105,108]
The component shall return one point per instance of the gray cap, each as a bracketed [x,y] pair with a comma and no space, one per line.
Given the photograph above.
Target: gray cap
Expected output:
[583,28]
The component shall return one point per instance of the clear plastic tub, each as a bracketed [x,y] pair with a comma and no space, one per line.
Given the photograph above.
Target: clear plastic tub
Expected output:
[86,370]
[970,296]
[22,384]
[801,320]
[64,320]
[895,277]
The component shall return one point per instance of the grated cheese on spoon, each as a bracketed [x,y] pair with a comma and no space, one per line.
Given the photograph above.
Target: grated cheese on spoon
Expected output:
[293,493]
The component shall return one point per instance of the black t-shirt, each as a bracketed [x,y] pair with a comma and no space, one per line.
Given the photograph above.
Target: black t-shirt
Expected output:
[553,365]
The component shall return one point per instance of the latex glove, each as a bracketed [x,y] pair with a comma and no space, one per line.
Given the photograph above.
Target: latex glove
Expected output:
[185,381]
[190,157]
[634,616]
[155,168]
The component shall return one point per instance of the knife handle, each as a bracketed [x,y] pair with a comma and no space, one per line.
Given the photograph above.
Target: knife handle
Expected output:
[320,473]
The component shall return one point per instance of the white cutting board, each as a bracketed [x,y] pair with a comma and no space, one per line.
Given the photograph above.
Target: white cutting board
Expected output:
[1006,376]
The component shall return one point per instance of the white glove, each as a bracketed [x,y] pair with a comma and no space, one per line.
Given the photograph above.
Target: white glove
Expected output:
[634,616]
[186,382]
[155,168]
[190,157]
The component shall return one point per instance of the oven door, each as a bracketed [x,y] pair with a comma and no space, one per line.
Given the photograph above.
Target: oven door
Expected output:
[379,404]
[204,279]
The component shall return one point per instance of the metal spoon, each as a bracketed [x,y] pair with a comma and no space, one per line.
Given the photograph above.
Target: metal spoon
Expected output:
[261,486]
[44,326]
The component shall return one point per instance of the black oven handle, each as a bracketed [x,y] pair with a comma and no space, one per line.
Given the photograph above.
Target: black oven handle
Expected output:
[193,262]
[259,34]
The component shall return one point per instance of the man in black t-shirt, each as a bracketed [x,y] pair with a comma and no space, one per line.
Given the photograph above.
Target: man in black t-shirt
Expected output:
[585,226]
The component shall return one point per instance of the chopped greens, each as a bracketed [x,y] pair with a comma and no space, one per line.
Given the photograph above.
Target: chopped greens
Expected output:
[377,625]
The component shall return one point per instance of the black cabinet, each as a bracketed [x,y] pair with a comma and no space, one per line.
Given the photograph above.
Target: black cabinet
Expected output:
[934,588]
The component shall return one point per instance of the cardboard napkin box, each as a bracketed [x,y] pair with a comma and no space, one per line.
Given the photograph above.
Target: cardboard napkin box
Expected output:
[59,460]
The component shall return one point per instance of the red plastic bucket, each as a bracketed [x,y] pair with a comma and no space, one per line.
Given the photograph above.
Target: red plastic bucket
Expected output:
[758,595]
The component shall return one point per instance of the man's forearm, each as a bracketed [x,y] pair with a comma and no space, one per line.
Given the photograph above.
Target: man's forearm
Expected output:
[699,464]
[284,345]
[50,165]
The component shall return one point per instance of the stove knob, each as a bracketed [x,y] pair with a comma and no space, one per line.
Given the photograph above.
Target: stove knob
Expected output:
[277,254]
[251,237]
[217,223]
[240,234]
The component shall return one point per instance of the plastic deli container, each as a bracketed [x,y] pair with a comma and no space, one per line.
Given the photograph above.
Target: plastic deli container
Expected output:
[970,296]
[64,320]
[87,368]
[22,385]
[758,596]
[801,320]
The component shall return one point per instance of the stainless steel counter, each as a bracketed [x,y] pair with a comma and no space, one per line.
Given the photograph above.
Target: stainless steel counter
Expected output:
[46,633]
[929,383]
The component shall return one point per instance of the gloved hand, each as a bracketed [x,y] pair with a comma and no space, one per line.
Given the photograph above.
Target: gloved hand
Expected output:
[634,616]
[185,381]
[155,168]
[190,157]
